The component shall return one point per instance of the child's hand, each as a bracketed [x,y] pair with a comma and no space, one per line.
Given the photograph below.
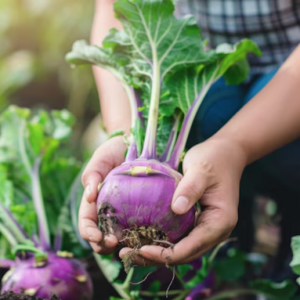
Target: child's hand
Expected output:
[106,157]
[212,172]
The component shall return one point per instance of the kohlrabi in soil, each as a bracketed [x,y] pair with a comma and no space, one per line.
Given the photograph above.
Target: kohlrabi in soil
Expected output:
[36,178]
[166,70]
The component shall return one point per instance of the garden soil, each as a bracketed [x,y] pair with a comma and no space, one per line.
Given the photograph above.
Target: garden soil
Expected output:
[14,296]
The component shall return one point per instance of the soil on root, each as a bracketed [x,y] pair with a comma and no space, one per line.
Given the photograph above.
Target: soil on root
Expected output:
[14,296]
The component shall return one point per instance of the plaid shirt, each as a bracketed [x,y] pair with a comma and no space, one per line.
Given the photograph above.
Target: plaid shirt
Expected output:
[273,24]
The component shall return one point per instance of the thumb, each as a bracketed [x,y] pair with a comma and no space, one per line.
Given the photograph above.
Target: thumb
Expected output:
[190,189]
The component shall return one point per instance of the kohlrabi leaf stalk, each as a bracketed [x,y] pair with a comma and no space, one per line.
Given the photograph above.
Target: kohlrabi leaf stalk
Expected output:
[15,228]
[37,196]
[171,142]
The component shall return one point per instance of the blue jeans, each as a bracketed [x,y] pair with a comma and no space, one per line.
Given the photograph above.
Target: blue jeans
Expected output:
[221,103]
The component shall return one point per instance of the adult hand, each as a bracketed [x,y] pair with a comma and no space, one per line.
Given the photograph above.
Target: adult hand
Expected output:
[212,172]
[106,157]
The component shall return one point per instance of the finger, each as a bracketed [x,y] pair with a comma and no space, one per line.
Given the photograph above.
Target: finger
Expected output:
[104,159]
[94,173]
[89,231]
[92,181]
[213,228]
[88,222]
[189,191]
[105,247]
[137,257]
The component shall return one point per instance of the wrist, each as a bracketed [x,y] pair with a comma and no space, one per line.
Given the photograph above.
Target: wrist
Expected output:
[237,143]
[233,149]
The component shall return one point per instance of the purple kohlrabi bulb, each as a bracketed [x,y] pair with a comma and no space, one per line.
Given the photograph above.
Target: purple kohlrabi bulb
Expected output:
[65,277]
[134,203]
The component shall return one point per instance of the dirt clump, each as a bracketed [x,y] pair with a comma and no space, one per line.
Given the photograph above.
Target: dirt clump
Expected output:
[13,296]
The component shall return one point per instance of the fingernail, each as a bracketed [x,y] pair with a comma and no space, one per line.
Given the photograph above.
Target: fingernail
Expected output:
[87,191]
[181,204]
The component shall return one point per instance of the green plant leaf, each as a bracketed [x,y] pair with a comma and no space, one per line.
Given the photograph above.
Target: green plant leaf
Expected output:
[277,291]
[155,286]
[295,263]
[232,267]
[185,86]
[109,267]
[27,135]
[183,269]
[201,274]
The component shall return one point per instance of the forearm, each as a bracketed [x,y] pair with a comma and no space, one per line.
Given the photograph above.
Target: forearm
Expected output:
[114,103]
[272,118]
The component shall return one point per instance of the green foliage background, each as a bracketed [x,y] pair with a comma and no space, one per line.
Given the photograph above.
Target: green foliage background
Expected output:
[35,36]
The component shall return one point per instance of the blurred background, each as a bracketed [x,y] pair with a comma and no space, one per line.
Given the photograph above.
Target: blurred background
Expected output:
[34,38]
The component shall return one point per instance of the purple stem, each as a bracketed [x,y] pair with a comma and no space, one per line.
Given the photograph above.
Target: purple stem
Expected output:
[35,240]
[149,147]
[186,127]
[44,235]
[58,240]
[135,103]
[132,152]
[165,156]
[6,263]
[139,104]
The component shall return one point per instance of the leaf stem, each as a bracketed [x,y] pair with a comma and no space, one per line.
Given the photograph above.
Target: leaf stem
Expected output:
[23,153]
[179,278]
[133,103]
[12,224]
[149,149]
[8,235]
[186,127]
[158,294]
[58,240]
[182,295]
[238,292]
[39,206]
[136,116]
[120,289]
[171,142]
[217,249]
[27,248]
[126,283]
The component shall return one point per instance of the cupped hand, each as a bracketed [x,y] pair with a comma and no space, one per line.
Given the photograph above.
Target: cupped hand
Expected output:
[106,157]
[212,172]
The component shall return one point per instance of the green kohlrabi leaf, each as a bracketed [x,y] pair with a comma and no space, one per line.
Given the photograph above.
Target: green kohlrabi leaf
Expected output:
[36,173]
[275,291]
[185,87]
[83,54]
[110,267]
[184,269]
[157,38]
[295,263]
[165,59]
